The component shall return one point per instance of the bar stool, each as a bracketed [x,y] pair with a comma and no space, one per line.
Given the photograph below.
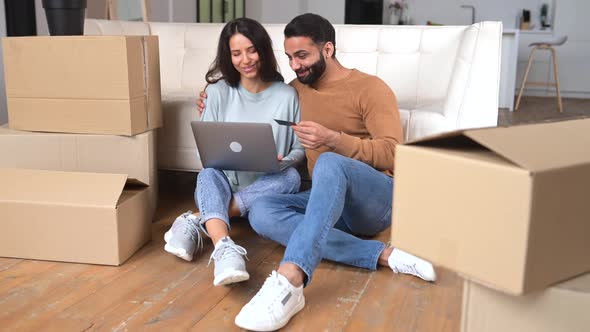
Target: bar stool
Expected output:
[544,45]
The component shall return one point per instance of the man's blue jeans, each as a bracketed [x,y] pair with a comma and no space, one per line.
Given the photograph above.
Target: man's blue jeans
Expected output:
[213,192]
[348,198]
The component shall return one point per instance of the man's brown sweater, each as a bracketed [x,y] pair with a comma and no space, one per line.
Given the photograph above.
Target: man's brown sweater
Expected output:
[364,109]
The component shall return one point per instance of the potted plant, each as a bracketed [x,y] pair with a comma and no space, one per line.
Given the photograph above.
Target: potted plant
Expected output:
[65,17]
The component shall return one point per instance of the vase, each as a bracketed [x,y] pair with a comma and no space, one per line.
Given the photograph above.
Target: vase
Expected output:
[405,18]
[65,17]
[394,19]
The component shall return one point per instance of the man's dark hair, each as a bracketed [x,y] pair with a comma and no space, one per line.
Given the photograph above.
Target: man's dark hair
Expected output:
[223,68]
[313,26]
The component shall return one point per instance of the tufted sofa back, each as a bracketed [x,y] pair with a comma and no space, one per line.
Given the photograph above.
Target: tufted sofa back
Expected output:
[445,77]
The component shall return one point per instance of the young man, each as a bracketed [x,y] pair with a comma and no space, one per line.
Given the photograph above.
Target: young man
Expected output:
[350,128]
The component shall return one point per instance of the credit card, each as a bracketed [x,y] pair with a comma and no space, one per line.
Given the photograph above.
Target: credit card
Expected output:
[285,123]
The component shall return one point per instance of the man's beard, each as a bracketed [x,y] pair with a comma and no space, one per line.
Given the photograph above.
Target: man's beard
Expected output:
[315,71]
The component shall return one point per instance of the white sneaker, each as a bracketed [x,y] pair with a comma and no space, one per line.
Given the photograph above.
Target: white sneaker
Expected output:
[402,262]
[184,236]
[273,306]
[230,266]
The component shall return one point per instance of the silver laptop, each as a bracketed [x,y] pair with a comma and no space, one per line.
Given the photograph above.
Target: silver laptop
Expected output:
[238,146]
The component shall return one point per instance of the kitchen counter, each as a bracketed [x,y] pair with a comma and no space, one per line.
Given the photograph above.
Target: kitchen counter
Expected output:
[536,32]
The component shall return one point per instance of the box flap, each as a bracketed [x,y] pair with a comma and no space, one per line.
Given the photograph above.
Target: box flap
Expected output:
[536,147]
[61,188]
[133,156]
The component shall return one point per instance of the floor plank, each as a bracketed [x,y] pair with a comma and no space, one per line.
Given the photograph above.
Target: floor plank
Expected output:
[403,303]
[221,316]
[198,297]
[132,291]
[20,273]
[543,109]
[331,297]
[6,263]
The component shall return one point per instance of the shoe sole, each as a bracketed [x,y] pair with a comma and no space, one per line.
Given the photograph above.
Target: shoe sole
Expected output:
[178,252]
[230,277]
[273,328]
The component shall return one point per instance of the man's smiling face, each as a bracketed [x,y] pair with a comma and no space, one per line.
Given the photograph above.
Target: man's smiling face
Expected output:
[305,58]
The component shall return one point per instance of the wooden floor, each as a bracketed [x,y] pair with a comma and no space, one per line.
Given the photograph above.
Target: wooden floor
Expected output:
[157,291]
[541,109]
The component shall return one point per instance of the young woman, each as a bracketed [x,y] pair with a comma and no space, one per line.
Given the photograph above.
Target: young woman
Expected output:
[244,86]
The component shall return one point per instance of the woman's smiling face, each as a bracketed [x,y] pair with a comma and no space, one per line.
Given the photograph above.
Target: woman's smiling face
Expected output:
[244,56]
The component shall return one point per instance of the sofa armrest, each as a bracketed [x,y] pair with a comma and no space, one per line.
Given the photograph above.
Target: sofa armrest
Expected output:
[472,100]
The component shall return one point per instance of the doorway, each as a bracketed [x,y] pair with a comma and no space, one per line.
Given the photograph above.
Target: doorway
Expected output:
[363,12]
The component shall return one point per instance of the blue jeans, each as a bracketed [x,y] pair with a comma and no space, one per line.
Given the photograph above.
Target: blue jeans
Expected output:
[348,198]
[213,193]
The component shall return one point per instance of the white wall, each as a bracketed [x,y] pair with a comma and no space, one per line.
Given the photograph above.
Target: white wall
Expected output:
[183,10]
[3,113]
[173,10]
[450,12]
[282,11]
[129,10]
[42,28]
[274,11]
[570,17]
[574,66]
[332,10]
[160,10]
[96,9]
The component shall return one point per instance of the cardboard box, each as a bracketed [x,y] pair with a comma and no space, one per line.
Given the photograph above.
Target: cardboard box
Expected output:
[134,156]
[71,217]
[563,307]
[83,84]
[506,207]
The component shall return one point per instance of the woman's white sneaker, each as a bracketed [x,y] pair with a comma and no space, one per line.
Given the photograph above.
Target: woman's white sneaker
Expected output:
[402,262]
[273,306]
[230,266]
[184,236]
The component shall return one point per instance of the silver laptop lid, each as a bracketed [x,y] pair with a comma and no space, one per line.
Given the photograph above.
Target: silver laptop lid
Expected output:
[236,146]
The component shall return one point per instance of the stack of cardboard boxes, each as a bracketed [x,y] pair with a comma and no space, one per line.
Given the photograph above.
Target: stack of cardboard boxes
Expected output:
[78,179]
[509,209]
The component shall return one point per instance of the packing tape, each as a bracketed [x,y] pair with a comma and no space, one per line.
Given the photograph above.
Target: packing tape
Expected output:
[146,79]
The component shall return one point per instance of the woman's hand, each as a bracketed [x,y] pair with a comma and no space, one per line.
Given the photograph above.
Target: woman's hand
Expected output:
[201,102]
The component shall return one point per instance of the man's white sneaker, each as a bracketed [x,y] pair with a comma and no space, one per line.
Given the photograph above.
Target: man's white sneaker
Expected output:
[402,262]
[184,236]
[230,266]
[273,306]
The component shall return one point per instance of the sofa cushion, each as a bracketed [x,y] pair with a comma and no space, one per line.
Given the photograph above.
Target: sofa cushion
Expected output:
[177,149]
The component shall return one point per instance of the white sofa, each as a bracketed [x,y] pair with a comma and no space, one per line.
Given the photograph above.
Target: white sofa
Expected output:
[445,77]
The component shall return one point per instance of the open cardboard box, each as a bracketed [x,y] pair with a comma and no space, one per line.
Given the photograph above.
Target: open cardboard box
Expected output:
[506,207]
[83,84]
[72,217]
[562,307]
[134,156]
